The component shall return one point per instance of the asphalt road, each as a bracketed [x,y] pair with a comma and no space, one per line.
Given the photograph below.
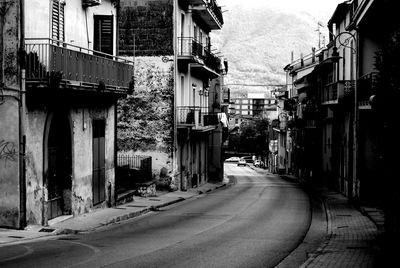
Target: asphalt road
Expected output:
[254,223]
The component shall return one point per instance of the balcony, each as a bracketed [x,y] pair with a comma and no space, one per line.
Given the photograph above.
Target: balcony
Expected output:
[209,12]
[197,118]
[191,51]
[53,64]
[331,93]
[366,87]
[226,96]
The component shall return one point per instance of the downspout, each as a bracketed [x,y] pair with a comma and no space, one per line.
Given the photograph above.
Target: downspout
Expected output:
[22,137]
[175,165]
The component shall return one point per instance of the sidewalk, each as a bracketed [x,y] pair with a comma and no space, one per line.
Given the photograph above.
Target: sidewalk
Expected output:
[352,238]
[102,217]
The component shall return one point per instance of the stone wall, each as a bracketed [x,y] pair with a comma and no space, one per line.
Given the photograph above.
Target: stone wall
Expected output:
[145,118]
[146,27]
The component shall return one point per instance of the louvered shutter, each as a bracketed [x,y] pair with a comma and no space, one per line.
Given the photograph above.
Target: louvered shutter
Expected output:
[103,34]
[57,20]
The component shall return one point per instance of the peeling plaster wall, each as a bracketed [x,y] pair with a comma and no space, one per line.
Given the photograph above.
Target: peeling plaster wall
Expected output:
[34,131]
[9,163]
[82,166]
[9,111]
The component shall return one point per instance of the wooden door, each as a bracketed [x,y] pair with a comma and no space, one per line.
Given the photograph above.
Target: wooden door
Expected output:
[98,183]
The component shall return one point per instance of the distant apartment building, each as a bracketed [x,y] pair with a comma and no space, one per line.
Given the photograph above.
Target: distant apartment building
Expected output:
[255,105]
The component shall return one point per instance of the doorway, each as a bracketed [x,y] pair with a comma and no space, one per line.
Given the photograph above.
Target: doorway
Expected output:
[98,183]
[59,163]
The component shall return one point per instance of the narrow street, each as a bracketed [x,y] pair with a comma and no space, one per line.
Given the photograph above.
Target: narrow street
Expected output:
[254,223]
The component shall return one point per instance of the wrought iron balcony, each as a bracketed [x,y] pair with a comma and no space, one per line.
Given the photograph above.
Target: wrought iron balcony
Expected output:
[226,96]
[50,62]
[189,48]
[366,87]
[198,118]
[209,12]
[331,93]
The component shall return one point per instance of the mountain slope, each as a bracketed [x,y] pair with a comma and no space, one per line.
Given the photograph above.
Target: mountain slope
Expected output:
[258,43]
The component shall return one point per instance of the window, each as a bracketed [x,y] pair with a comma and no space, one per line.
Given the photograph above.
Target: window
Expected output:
[58,20]
[103,34]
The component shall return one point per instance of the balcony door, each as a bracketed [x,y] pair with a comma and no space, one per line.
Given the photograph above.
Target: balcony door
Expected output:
[103,34]
[98,183]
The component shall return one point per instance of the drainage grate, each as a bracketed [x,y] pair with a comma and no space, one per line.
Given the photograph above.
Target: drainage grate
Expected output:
[46,230]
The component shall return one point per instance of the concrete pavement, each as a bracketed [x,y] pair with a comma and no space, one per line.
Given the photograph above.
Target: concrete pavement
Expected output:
[102,217]
[353,234]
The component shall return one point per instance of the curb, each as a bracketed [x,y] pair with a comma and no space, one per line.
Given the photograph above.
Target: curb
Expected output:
[131,214]
[312,256]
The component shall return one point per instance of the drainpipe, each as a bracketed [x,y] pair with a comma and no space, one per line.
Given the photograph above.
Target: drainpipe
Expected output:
[175,164]
[22,138]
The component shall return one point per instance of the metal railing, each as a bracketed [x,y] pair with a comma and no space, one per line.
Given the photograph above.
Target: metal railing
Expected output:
[188,46]
[216,10]
[75,65]
[137,162]
[196,116]
[188,115]
[226,95]
[333,91]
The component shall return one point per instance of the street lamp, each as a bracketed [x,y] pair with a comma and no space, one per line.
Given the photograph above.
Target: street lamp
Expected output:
[335,58]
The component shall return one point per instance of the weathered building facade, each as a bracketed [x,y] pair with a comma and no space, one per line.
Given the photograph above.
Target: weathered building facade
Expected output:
[356,89]
[176,34]
[70,82]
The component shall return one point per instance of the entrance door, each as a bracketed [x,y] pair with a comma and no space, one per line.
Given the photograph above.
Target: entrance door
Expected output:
[98,184]
[59,182]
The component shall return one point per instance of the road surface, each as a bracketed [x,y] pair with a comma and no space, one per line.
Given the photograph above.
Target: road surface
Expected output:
[256,222]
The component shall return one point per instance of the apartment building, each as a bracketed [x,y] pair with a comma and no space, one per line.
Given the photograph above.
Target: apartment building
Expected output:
[58,108]
[177,34]
[258,105]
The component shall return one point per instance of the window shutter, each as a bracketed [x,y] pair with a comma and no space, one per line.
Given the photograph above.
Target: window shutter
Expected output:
[58,20]
[103,34]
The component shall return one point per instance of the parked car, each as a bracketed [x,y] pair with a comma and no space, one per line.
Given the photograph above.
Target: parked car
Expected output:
[242,162]
[248,159]
[233,159]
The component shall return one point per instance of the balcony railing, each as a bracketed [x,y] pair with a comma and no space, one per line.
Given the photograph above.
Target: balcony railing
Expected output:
[209,12]
[366,87]
[333,91]
[189,47]
[75,66]
[226,95]
[195,116]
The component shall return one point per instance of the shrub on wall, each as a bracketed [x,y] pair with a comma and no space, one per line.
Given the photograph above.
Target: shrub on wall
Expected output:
[145,118]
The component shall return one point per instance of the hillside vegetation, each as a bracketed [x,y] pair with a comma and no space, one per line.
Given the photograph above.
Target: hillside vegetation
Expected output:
[258,43]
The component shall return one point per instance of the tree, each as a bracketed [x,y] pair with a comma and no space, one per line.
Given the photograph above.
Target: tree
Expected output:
[251,137]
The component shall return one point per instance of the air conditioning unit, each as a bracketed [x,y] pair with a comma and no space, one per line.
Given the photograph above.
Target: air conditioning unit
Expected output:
[90,3]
